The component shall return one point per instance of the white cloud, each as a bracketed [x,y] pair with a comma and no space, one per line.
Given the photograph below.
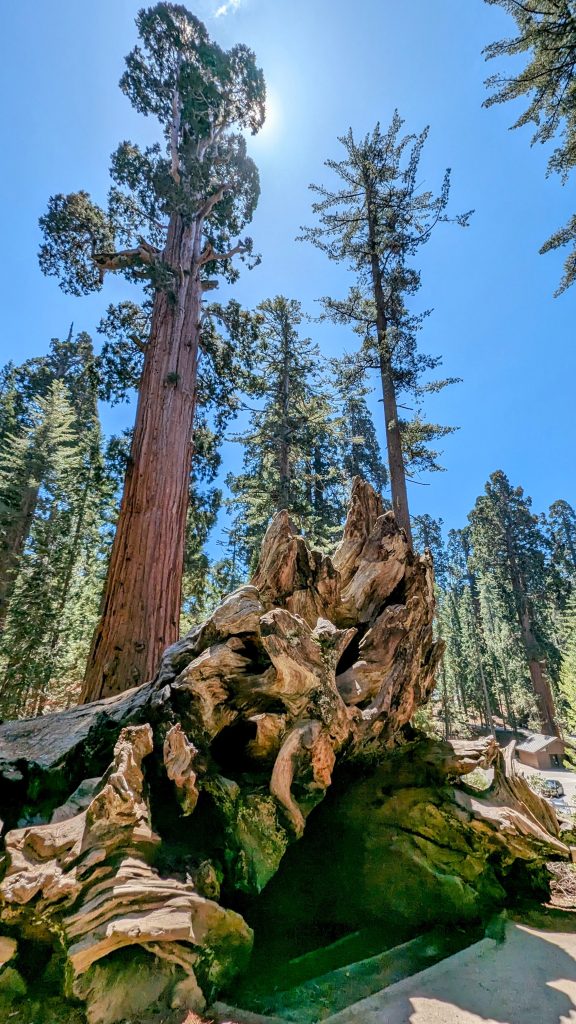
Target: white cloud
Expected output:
[229,7]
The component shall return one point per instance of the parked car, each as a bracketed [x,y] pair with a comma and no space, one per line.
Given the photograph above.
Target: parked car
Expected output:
[552,789]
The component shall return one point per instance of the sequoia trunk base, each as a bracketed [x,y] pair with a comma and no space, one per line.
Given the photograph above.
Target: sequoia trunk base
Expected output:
[140,831]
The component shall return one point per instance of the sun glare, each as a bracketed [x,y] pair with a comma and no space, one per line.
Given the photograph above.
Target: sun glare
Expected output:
[273,118]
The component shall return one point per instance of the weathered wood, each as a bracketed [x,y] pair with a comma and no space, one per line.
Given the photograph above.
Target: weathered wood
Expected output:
[124,816]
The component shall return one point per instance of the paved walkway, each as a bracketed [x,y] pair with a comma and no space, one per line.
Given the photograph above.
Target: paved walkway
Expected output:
[530,978]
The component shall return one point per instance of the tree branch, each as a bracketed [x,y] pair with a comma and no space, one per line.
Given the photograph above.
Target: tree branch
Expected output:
[210,203]
[144,253]
[208,255]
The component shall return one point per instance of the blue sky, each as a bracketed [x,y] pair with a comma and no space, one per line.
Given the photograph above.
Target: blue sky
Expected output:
[328,65]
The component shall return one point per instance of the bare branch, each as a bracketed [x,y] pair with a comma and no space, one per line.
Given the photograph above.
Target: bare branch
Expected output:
[210,203]
[208,255]
[143,254]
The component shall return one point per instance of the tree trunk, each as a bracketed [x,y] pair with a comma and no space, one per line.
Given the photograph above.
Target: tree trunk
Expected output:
[13,546]
[141,604]
[393,436]
[284,456]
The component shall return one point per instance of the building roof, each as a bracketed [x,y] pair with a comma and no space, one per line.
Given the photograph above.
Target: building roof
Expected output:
[538,741]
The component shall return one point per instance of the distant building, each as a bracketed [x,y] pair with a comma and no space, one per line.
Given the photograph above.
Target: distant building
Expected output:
[540,751]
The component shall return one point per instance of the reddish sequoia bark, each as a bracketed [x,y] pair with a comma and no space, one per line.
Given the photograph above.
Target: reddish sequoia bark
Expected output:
[141,604]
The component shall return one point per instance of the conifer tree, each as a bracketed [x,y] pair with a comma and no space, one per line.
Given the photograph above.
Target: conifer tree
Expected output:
[174,214]
[510,546]
[375,223]
[291,449]
[57,587]
[546,30]
[71,362]
[427,533]
[360,451]
[561,525]
[568,665]
[465,581]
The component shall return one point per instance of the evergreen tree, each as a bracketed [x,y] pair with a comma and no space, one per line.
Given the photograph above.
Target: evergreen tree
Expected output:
[57,587]
[568,666]
[176,209]
[427,533]
[71,362]
[360,451]
[465,582]
[546,30]
[561,525]
[510,547]
[375,224]
[291,450]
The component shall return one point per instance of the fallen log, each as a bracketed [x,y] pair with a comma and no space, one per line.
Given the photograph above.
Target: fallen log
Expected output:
[136,827]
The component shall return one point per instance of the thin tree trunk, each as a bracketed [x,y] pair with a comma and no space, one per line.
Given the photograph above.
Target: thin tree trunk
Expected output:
[393,436]
[284,456]
[141,604]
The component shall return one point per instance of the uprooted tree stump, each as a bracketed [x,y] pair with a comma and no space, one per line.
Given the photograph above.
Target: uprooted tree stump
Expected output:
[136,828]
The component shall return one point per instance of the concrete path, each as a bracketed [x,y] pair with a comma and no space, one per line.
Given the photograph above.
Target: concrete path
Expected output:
[530,978]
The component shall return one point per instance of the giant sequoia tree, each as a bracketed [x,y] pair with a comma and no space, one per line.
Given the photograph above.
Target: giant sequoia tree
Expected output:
[510,547]
[173,218]
[546,30]
[374,224]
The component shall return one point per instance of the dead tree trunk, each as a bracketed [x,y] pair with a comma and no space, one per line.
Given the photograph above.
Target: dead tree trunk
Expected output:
[122,817]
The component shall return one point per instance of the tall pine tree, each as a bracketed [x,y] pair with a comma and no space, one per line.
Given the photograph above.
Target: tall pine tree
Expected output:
[510,547]
[375,224]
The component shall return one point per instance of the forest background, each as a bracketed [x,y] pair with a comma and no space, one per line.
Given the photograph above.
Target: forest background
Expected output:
[495,320]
